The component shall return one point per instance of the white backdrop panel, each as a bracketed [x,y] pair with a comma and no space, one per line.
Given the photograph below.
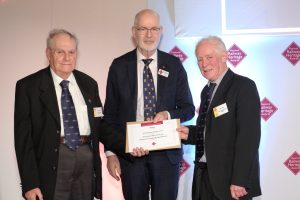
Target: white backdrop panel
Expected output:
[276,78]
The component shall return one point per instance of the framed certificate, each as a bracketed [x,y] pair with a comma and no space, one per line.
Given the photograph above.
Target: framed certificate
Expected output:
[153,136]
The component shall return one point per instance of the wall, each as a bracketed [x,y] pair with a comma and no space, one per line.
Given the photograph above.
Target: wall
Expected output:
[103,28]
[104,32]
[262,46]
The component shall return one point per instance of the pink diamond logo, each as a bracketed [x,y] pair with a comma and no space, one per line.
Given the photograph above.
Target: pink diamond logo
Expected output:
[267,109]
[235,55]
[178,53]
[293,163]
[183,166]
[292,53]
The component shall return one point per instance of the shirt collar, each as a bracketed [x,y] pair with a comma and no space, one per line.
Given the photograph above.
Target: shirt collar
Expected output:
[140,56]
[58,79]
[218,81]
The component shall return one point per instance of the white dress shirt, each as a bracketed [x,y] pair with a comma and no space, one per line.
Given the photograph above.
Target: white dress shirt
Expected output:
[79,103]
[140,93]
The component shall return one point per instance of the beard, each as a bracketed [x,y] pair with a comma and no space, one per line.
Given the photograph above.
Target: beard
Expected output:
[148,47]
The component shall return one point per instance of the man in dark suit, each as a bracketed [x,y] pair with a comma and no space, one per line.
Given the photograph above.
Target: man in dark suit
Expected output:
[230,128]
[51,164]
[125,102]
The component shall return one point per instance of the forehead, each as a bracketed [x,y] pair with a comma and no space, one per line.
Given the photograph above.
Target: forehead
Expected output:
[206,48]
[64,41]
[148,19]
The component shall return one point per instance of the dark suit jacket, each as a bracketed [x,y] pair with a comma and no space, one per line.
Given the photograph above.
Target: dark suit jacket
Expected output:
[232,139]
[37,130]
[173,93]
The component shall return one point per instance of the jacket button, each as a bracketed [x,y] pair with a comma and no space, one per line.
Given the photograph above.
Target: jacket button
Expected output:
[58,131]
[55,150]
[54,168]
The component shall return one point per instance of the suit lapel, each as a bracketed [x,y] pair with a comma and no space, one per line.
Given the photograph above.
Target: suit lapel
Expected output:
[86,95]
[132,78]
[48,95]
[161,80]
[222,89]
[218,99]
[220,95]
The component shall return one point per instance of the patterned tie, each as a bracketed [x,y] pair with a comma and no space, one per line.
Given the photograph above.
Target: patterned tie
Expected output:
[206,95]
[71,129]
[149,91]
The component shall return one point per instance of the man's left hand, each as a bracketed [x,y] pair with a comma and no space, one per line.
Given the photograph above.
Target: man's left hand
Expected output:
[237,191]
[160,116]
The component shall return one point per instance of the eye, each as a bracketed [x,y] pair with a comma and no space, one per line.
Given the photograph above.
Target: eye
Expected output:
[141,29]
[59,52]
[155,29]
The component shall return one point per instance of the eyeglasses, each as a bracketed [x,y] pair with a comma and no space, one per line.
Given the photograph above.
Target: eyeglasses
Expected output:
[62,53]
[144,30]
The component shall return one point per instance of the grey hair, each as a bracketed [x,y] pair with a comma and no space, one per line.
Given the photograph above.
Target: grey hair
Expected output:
[214,40]
[56,32]
[138,15]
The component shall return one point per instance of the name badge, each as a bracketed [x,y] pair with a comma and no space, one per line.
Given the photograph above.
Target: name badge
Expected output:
[163,73]
[220,110]
[98,112]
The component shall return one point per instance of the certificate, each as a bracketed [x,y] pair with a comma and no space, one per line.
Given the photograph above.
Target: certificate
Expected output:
[153,136]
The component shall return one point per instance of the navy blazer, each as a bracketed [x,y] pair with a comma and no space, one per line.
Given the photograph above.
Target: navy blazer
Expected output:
[173,93]
[232,139]
[37,130]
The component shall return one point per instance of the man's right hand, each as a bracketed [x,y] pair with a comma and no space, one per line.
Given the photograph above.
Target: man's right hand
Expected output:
[183,132]
[33,194]
[113,166]
[139,152]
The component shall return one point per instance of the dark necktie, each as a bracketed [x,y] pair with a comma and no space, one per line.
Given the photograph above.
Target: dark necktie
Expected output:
[149,91]
[72,135]
[206,95]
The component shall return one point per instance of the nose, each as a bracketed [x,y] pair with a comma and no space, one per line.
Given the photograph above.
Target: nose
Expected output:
[149,33]
[67,56]
[204,62]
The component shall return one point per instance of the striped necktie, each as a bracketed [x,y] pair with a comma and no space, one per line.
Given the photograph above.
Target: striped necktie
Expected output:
[206,95]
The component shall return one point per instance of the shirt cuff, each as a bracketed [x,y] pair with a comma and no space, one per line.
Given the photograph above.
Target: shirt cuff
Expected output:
[169,116]
[109,153]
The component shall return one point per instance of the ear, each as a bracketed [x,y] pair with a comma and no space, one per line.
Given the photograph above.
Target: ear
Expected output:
[48,52]
[133,31]
[161,30]
[225,57]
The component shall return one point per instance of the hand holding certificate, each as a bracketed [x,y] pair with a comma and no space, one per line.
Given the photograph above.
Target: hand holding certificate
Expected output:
[153,136]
